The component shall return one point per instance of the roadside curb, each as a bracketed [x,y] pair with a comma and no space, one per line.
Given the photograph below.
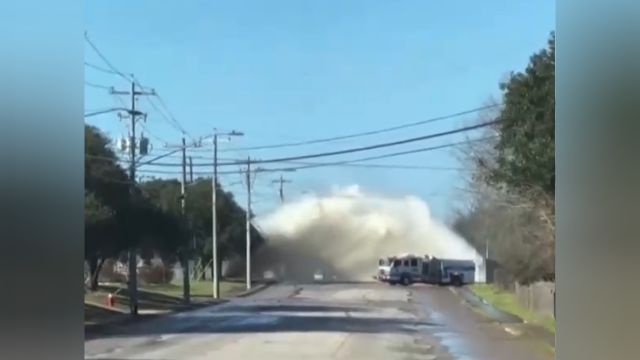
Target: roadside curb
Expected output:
[124,319]
[253,290]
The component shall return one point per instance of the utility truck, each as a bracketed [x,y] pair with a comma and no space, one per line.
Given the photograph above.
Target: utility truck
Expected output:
[407,269]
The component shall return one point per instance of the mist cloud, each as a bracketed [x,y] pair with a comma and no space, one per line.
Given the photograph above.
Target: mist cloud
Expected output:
[345,232]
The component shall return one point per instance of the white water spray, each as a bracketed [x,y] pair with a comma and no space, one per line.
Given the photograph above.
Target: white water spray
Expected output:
[344,234]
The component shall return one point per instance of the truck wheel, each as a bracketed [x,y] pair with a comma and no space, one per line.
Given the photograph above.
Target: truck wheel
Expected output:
[406,281]
[392,283]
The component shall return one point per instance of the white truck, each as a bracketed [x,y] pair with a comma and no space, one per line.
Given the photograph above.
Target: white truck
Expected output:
[407,269]
[402,269]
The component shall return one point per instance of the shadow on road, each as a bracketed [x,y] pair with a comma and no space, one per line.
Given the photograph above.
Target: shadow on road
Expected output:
[293,308]
[261,318]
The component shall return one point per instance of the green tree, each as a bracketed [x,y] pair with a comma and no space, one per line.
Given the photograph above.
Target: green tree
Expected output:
[117,218]
[231,217]
[106,202]
[514,177]
[525,152]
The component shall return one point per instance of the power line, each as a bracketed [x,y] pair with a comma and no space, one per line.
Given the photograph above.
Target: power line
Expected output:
[119,99]
[364,166]
[350,162]
[347,163]
[340,163]
[99,112]
[371,147]
[147,162]
[171,119]
[384,156]
[366,133]
[168,116]
[141,124]
[99,68]
[202,157]
[386,166]
[98,86]
[166,108]
[150,162]
[163,141]
[104,58]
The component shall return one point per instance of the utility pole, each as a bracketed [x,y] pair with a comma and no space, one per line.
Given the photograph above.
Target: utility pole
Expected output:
[486,250]
[248,218]
[186,250]
[193,236]
[133,269]
[214,226]
[186,291]
[282,181]
[214,206]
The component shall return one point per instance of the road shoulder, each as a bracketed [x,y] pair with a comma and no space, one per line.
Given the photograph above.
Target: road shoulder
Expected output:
[511,323]
[101,319]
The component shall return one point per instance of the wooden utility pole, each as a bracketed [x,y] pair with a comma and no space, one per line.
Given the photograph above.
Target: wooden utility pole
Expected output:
[281,181]
[133,255]
[186,247]
[214,206]
[186,288]
[248,221]
[214,222]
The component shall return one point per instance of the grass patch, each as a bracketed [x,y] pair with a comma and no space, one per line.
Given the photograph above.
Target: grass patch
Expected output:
[508,302]
[151,297]
[198,289]
[165,297]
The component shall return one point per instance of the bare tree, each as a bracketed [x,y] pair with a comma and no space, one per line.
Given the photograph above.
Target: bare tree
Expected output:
[518,227]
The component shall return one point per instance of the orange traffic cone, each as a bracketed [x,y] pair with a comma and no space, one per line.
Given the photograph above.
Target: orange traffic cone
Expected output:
[111,300]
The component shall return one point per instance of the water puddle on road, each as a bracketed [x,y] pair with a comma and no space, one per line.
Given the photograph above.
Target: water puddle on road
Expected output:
[259,320]
[437,317]
[455,345]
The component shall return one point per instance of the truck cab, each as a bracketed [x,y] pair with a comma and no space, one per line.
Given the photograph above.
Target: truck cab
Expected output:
[406,270]
[384,266]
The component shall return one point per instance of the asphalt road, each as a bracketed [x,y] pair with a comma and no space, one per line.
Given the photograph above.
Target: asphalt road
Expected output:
[329,321]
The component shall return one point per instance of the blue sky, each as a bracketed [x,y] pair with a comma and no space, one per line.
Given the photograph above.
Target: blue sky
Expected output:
[291,70]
